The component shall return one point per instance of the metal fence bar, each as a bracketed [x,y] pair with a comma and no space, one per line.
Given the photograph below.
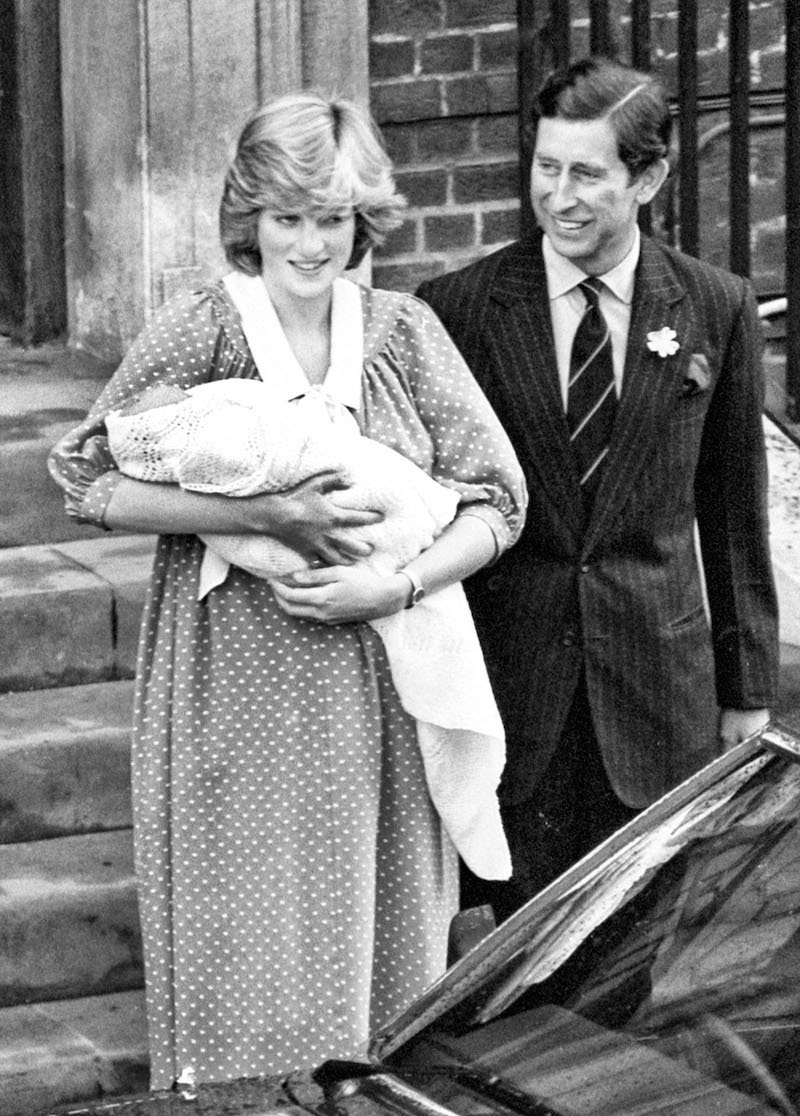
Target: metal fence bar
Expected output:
[688,183]
[640,34]
[640,59]
[601,38]
[739,76]
[527,81]
[560,28]
[793,210]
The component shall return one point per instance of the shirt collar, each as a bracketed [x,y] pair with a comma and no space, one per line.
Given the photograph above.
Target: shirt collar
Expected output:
[563,275]
[277,365]
[343,379]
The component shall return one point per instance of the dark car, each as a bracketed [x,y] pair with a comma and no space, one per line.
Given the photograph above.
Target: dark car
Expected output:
[661,974]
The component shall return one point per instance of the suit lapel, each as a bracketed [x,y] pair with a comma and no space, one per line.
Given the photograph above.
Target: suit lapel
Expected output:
[650,383]
[520,336]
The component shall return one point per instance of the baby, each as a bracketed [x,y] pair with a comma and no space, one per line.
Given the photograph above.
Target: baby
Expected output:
[237,438]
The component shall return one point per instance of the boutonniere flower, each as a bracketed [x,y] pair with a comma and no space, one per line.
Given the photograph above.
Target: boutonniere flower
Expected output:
[663,341]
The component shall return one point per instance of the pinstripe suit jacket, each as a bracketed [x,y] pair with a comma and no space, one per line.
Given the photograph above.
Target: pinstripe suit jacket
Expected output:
[622,599]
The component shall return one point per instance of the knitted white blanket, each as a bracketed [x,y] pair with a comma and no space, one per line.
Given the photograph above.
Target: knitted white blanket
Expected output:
[238,438]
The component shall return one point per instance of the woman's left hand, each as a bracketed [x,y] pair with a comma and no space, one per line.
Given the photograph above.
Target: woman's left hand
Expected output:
[341,594]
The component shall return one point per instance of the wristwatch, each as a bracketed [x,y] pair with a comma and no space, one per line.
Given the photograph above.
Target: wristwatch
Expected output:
[417,588]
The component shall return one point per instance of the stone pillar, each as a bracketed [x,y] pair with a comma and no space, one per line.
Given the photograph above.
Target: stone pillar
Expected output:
[32,291]
[335,48]
[155,93]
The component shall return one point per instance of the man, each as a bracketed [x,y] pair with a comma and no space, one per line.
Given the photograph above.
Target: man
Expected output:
[634,404]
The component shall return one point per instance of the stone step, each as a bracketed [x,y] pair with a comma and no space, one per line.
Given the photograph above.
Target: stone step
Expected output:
[47,390]
[70,612]
[71,1051]
[69,923]
[65,761]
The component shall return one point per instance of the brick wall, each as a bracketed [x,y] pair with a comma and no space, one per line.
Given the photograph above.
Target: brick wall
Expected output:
[444,90]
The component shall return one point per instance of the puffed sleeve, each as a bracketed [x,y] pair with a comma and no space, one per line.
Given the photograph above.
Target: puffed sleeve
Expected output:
[471,451]
[183,344]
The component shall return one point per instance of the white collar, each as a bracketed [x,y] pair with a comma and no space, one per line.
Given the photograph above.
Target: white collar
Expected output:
[563,275]
[277,365]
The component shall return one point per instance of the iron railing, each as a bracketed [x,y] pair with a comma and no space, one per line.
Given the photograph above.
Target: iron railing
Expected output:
[547,35]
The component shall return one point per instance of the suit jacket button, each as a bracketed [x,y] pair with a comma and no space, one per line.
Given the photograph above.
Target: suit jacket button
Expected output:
[586,568]
[494,583]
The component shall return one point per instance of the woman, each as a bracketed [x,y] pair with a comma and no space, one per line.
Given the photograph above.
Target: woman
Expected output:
[295,881]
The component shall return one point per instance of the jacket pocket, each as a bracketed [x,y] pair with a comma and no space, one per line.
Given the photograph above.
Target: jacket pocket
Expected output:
[696,616]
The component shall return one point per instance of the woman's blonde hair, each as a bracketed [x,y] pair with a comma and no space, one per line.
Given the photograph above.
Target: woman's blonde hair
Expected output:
[304,151]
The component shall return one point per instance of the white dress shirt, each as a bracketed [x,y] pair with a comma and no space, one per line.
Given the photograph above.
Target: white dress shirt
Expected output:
[567,305]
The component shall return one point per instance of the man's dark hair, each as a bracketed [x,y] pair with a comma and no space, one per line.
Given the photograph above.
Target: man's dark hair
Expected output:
[634,103]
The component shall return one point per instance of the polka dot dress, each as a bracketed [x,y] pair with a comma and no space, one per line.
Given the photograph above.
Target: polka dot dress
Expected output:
[295,883]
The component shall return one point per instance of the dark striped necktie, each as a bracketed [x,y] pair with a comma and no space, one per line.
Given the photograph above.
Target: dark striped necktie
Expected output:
[591,399]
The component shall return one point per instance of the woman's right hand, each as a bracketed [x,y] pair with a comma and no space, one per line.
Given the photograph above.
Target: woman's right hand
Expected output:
[310,520]
[315,518]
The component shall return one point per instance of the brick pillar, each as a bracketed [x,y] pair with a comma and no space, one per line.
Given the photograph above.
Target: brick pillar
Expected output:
[155,93]
[444,90]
